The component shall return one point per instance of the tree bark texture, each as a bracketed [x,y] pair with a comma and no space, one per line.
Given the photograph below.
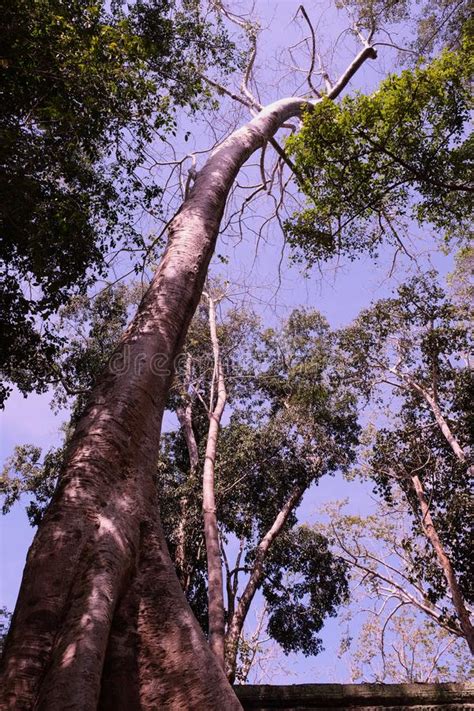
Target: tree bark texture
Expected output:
[86,560]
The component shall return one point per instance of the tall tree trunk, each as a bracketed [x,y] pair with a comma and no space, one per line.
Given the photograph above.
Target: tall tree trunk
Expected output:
[215,588]
[440,419]
[237,622]
[86,548]
[444,563]
[157,657]
[185,417]
[85,559]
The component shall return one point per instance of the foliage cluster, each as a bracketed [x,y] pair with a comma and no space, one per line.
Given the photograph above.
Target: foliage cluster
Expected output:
[375,161]
[415,345]
[86,86]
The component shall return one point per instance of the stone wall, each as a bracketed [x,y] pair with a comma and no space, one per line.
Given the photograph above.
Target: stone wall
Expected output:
[371,697]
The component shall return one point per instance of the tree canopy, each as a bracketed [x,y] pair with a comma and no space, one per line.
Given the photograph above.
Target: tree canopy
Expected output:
[86,87]
[372,162]
[264,415]
[416,347]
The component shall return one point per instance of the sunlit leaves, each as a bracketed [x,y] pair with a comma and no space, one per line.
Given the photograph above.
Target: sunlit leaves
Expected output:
[399,153]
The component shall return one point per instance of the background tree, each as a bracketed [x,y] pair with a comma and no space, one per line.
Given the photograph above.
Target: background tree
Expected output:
[289,426]
[395,631]
[416,344]
[383,555]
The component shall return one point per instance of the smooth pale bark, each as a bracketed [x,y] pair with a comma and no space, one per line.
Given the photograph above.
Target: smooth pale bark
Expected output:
[86,561]
[446,430]
[185,418]
[215,590]
[440,419]
[444,563]
[238,618]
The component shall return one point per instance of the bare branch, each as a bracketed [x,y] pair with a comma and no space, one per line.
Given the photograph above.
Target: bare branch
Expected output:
[313,52]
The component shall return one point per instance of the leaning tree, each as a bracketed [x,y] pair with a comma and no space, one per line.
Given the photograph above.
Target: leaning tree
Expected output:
[101,620]
[418,345]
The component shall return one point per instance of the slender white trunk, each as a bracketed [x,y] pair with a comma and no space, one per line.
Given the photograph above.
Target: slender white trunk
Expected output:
[444,427]
[185,418]
[439,417]
[215,590]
